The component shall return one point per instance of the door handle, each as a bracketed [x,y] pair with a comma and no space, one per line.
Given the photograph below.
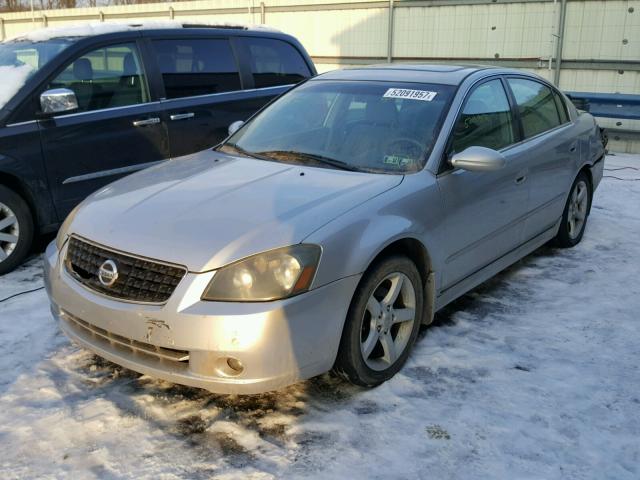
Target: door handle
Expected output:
[182,116]
[573,147]
[521,180]
[145,122]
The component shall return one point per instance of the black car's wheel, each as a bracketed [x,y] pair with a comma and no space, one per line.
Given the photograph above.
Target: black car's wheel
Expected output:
[576,212]
[382,323]
[16,229]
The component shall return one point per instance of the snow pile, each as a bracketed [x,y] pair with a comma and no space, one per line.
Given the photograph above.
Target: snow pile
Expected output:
[99,28]
[533,375]
[12,79]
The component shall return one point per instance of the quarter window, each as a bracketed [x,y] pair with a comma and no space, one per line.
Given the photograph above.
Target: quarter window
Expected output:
[485,120]
[105,78]
[196,67]
[562,108]
[537,106]
[274,62]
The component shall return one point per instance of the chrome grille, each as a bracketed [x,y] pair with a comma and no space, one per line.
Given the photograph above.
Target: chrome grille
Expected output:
[139,279]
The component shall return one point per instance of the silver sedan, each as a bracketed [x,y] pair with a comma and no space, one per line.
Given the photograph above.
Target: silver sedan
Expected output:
[326,229]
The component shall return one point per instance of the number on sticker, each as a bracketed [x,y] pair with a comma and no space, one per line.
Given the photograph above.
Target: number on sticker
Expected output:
[422,95]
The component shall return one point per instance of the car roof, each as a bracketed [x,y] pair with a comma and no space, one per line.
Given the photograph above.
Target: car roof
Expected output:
[98,29]
[444,74]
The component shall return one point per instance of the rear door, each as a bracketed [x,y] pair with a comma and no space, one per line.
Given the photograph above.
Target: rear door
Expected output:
[116,130]
[210,82]
[200,79]
[551,151]
[485,210]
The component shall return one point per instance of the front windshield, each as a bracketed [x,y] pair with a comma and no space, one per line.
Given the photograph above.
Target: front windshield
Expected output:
[366,126]
[20,59]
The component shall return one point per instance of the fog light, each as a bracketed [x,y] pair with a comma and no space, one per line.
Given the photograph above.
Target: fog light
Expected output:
[235,365]
[229,366]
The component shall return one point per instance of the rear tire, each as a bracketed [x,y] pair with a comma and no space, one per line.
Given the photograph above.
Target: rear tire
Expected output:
[576,213]
[16,230]
[382,323]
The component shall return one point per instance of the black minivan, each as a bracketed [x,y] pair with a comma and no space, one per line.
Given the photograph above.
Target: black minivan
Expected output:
[79,110]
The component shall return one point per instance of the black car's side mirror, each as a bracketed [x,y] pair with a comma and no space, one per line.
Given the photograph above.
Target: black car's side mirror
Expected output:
[57,100]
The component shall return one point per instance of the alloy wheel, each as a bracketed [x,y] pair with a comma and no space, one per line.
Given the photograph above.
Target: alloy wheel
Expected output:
[388,321]
[9,232]
[578,205]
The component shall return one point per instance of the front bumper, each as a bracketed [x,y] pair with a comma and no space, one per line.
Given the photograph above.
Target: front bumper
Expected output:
[188,341]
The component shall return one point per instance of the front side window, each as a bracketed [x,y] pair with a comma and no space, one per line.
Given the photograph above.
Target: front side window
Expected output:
[20,59]
[192,67]
[537,106]
[368,126]
[485,121]
[105,78]
[274,62]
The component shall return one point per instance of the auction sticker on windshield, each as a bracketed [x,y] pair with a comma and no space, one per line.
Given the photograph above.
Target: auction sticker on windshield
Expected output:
[423,95]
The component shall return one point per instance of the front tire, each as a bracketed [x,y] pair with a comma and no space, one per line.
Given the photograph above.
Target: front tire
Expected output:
[576,212]
[16,230]
[382,323]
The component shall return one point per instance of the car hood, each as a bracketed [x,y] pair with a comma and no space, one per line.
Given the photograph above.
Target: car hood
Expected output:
[209,209]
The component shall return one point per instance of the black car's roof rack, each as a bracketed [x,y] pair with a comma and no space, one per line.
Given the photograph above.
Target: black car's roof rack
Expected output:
[204,25]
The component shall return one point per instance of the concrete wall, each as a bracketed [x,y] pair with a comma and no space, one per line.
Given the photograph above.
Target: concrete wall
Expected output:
[601,41]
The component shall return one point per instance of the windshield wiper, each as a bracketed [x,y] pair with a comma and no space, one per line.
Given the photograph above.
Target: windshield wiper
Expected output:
[241,151]
[311,156]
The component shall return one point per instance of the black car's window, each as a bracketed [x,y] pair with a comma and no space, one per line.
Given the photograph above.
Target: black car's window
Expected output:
[537,106]
[485,121]
[274,62]
[193,67]
[385,127]
[105,78]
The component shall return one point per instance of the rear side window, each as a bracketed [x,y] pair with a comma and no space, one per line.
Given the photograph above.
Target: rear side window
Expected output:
[485,120]
[537,106]
[191,67]
[105,78]
[274,62]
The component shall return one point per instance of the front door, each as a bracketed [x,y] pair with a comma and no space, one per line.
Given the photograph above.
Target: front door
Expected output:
[116,130]
[485,210]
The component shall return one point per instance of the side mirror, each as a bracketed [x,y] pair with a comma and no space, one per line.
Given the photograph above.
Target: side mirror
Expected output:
[58,100]
[235,126]
[478,159]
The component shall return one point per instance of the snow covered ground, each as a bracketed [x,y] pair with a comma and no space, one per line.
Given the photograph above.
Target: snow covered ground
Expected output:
[534,375]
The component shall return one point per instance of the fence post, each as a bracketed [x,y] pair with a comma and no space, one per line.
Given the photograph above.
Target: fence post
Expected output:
[172,13]
[2,32]
[101,16]
[45,21]
[262,13]
[390,39]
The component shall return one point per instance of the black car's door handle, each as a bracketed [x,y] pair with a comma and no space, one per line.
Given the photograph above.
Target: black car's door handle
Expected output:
[182,116]
[146,121]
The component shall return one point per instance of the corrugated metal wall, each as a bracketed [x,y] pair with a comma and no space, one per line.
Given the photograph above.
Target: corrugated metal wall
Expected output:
[601,41]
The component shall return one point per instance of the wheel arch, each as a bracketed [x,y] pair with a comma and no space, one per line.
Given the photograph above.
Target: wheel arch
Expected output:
[12,182]
[418,253]
[586,169]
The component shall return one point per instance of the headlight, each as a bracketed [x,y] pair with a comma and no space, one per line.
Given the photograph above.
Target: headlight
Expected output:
[271,275]
[64,228]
